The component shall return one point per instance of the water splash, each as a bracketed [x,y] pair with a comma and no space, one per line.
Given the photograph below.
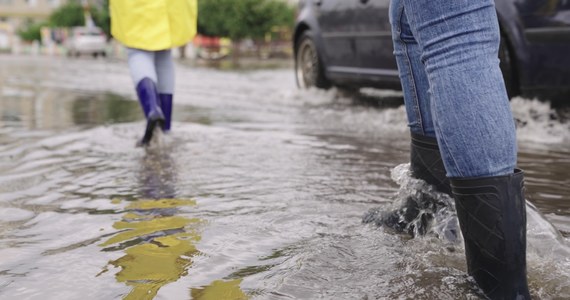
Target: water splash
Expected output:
[538,122]
[548,253]
[548,257]
[417,209]
[439,209]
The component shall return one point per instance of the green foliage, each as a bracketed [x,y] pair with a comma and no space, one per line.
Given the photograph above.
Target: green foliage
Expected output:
[72,14]
[68,15]
[31,31]
[242,19]
[102,17]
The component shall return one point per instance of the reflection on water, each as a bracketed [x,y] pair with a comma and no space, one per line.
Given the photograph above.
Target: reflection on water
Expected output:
[158,245]
[56,109]
[220,289]
[95,109]
[157,174]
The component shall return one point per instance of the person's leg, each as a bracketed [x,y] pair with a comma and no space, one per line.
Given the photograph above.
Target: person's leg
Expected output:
[413,76]
[416,213]
[425,157]
[474,126]
[459,43]
[144,75]
[165,71]
[141,65]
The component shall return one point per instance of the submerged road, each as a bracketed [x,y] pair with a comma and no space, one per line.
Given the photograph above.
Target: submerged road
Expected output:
[258,192]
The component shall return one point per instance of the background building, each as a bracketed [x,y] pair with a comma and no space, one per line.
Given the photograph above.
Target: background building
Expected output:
[15,13]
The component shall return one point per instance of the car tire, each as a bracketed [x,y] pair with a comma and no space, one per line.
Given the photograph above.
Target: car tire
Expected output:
[507,67]
[309,70]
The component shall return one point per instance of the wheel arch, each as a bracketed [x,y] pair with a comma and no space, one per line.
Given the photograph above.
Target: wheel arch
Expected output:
[301,27]
[512,31]
[513,63]
[304,29]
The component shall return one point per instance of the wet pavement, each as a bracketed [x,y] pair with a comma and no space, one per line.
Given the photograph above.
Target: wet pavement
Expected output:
[259,191]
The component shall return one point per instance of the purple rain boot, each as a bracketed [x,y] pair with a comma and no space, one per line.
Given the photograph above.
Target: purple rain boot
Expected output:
[150,103]
[166,105]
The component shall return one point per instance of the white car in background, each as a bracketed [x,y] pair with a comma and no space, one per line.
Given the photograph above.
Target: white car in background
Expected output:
[86,40]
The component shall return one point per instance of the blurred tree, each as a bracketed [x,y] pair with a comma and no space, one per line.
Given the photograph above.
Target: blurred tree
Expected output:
[68,15]
[31,31]
[72,14]
[102,18]
[242,19]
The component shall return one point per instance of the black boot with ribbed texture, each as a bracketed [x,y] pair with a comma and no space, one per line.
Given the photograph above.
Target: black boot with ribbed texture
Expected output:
[426,162]
[492,216]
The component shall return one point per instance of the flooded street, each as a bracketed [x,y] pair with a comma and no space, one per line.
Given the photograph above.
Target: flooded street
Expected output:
[257,193]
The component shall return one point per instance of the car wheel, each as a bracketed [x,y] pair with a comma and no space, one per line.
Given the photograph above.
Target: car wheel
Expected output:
[507,67]
[308,65]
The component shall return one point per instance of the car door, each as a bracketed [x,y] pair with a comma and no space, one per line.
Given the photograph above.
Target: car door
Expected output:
[336,22]
[374,38]
[547,29]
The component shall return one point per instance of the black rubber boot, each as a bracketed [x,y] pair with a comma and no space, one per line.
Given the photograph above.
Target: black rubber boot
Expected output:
[492,216]
[425,164]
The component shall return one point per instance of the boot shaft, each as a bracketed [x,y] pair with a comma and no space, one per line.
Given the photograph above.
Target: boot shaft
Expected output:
[150,103]
[427,164]
[148,98]
[492,216]
[166,106]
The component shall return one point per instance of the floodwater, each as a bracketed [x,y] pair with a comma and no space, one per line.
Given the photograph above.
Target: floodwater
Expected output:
[258,193]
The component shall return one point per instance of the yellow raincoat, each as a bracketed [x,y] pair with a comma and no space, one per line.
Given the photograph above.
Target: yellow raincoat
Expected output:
[153,24]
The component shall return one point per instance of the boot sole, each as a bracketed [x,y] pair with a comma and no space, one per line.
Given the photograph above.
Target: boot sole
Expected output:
[150,126]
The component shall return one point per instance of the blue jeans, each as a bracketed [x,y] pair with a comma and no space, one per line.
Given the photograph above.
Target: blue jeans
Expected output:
[447,54]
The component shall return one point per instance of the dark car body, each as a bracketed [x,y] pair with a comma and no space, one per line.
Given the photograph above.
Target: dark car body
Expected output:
[354,44]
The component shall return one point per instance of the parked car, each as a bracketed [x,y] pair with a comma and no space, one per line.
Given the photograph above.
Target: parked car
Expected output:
[86,40]
[348,43]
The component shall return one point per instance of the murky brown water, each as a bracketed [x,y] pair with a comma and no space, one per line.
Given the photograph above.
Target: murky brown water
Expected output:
[259,191]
